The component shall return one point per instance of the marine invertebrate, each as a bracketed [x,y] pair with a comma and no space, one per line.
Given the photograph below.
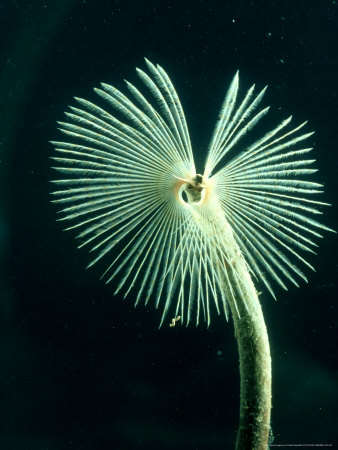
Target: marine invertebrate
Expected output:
[194,240]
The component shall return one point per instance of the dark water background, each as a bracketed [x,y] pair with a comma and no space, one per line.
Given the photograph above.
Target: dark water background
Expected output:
[79,368]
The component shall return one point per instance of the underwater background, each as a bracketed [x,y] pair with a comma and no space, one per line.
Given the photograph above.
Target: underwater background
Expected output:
[83,369]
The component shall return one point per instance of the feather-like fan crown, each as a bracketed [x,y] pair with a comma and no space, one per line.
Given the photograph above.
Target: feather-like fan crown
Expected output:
[129,185]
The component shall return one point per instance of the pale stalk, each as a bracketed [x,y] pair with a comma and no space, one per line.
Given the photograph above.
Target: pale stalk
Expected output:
[254,359]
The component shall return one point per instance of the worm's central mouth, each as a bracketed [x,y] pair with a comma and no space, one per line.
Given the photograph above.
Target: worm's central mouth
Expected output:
[192,191]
